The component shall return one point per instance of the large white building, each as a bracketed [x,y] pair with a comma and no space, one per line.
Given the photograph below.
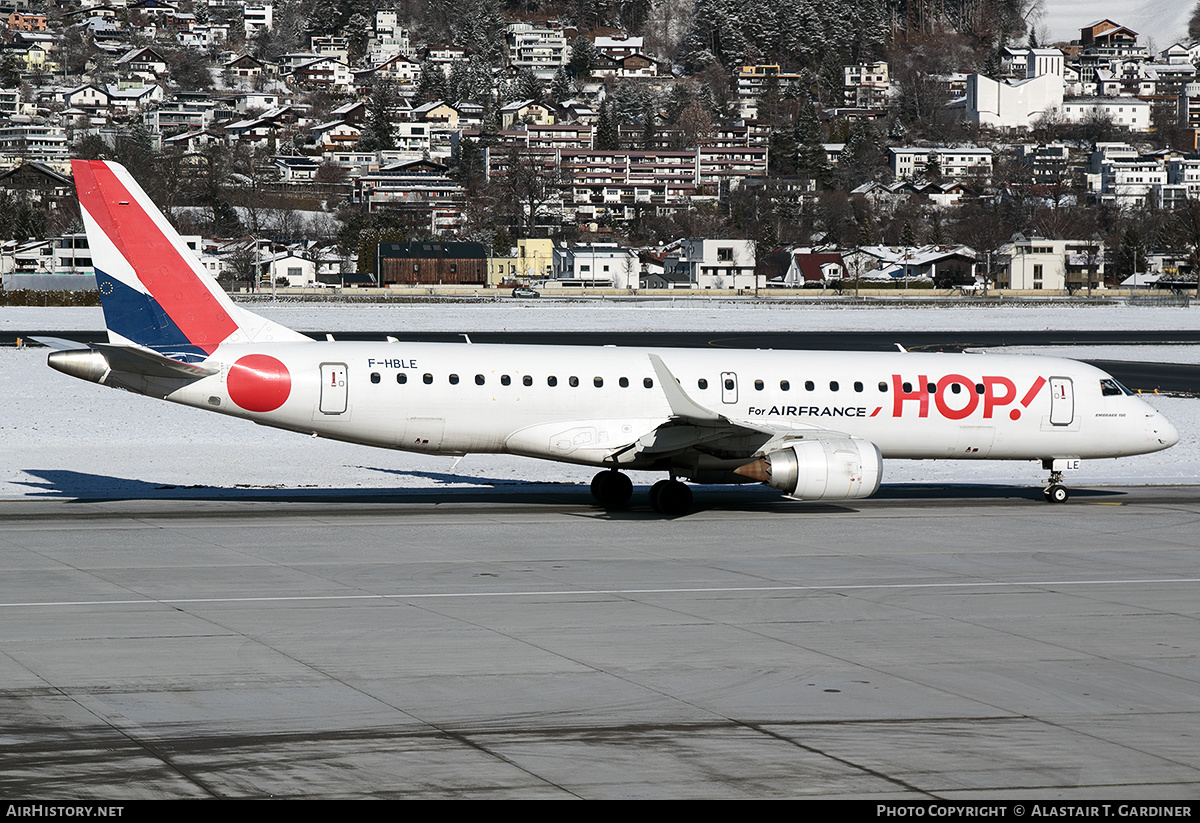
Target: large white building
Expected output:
[597,265]
[536,48]
[1017,103]
[1128,112]
[1013,104]
[716,264]
[908,162]
[1041,264]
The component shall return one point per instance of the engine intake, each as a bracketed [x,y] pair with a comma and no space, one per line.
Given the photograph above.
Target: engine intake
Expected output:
[833,468]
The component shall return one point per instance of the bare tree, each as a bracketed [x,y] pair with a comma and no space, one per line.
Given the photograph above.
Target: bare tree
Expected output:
[531,185]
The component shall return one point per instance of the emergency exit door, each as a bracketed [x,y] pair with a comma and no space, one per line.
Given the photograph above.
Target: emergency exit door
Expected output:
[728,387]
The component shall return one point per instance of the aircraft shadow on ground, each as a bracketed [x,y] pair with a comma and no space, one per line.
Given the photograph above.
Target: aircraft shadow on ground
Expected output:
[90,487]
[82,487]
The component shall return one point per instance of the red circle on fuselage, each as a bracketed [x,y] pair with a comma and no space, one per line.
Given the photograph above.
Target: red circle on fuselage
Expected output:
[258,382]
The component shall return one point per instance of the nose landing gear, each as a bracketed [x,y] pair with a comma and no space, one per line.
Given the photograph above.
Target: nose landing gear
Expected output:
[1055,491]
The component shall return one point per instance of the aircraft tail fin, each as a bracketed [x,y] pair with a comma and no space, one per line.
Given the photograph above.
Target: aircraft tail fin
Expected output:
[153,290]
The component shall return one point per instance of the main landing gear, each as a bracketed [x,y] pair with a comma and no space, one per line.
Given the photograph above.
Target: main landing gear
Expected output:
[1056,492]
[613,490]
[670,497]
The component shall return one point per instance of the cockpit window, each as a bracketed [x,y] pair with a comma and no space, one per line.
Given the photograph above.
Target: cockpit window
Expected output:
[1111,388]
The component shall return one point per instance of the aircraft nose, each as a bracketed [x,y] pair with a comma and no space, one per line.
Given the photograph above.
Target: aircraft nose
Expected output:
[1164,432]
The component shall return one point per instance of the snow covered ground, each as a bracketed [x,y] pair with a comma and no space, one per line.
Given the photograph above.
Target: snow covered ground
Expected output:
[63,438]
[658,314]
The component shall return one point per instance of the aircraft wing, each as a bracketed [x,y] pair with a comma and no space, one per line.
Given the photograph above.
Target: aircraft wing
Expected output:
[693,426]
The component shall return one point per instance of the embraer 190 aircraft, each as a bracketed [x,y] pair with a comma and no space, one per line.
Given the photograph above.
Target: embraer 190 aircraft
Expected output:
[815,425]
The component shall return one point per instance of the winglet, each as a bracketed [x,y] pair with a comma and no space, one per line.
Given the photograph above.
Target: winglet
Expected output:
[681,405]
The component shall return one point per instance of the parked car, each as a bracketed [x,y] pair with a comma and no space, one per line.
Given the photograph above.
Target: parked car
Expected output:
[523,291]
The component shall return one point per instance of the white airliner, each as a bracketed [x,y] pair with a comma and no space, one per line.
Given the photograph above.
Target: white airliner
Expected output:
[815,425]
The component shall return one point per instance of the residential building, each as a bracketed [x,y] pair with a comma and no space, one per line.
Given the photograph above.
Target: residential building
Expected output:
[536,48]
[256,18]
[908,162]
[596,265]
[413,264]
[750,79]
[716,264]
[420,190]
[1041,264]
[866,85]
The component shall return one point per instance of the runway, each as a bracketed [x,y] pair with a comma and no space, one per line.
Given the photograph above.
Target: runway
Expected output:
[956,642]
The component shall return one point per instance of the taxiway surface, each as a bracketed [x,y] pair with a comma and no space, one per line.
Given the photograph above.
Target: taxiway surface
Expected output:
[951,642]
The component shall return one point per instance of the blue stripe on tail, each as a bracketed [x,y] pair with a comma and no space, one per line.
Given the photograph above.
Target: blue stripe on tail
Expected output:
[138,317]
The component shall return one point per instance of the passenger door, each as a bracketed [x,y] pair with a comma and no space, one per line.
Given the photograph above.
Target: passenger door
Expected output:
[333,388]
[1062,401]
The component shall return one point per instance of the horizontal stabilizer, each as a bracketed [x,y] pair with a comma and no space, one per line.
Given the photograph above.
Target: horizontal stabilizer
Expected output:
[58,343]
[149,364]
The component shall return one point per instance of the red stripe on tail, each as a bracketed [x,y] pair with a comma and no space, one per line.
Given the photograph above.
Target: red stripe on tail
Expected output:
[171,280]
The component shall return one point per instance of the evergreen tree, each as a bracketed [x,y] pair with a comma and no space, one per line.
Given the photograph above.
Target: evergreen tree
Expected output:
[560,86]
[528,86]
[379,132]
[811,160]
[432,84]
[649,126]
[1131,253]
[782,150]
[607,129]
[583,57]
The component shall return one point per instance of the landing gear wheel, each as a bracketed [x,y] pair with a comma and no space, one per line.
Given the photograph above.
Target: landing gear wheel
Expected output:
[1056,494]
[655,491]
[670,497]
[612,489]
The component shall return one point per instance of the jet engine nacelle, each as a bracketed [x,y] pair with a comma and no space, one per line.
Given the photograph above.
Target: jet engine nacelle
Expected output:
[833,468]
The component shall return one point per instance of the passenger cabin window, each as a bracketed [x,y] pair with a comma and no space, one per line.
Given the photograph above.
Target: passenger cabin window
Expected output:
[375,378]
[908,388]
[648,383]
[979,388]
[728,384]
[623,382]
[574,381]
[479,380]
[454,380]
[527,380]
[931,388]
[552,381]
[758,385]
[702,383]
[810,385]
[598,382]
[858,386]
[505,380]
[401,378]
[833,385]
[428,378]
[882,386]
